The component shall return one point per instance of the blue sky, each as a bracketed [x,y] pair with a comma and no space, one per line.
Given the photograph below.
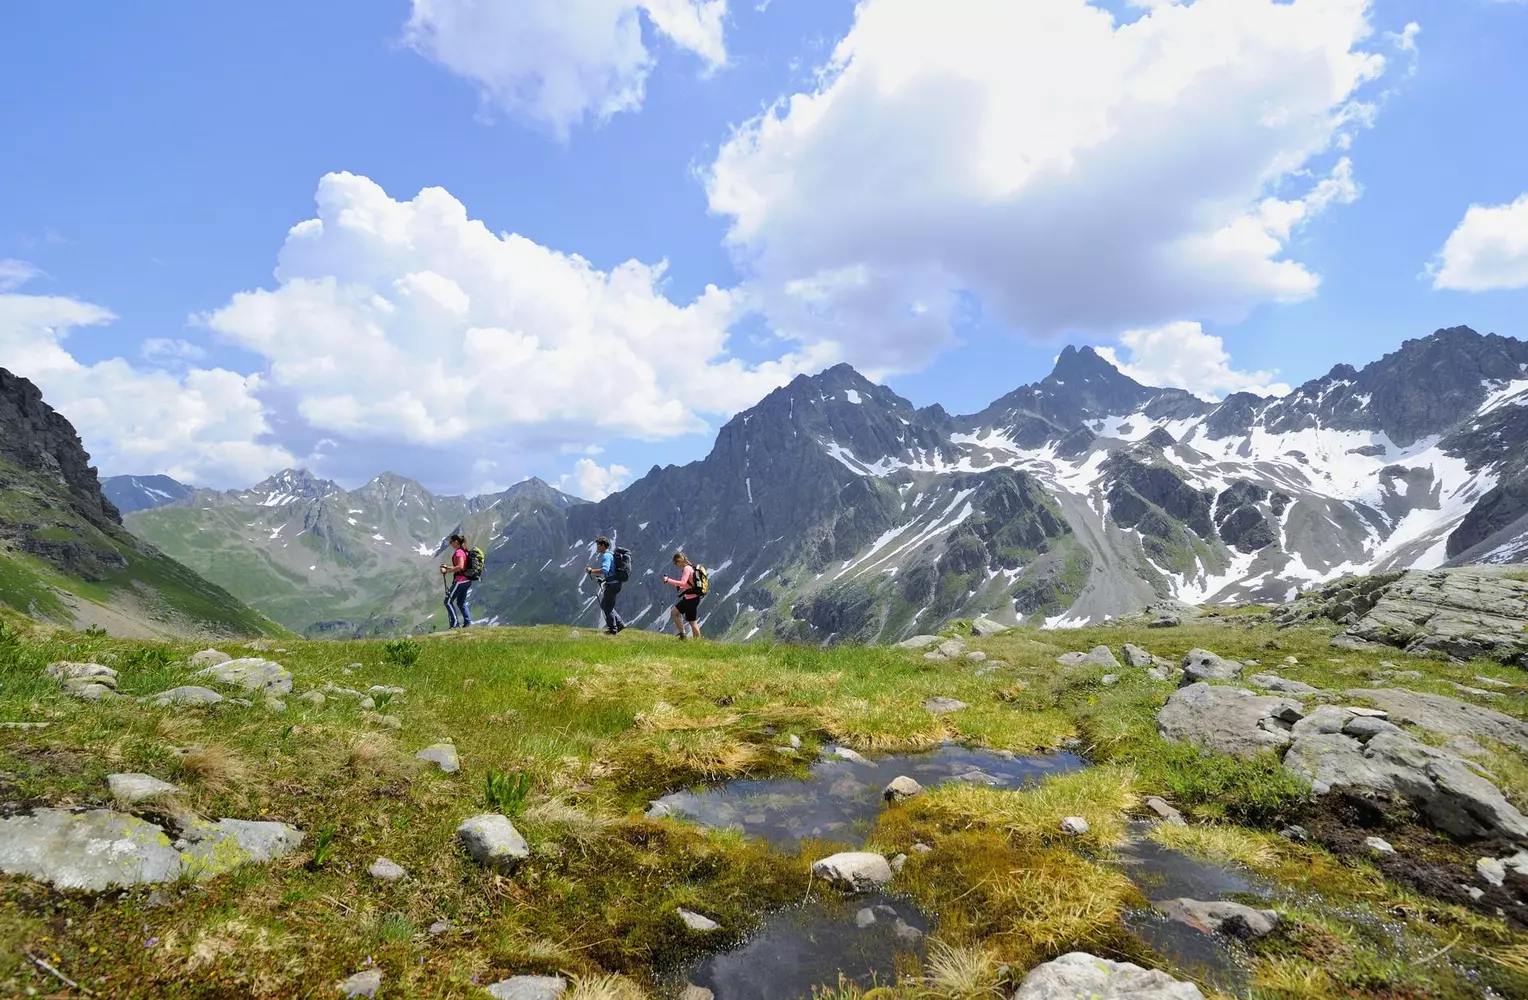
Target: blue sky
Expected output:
[944,204]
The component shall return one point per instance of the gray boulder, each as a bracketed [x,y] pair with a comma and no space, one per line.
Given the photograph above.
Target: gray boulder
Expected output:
[188,696]
[917,642]
[1203,665]
[208,658]
[442,755]
[853,757]
[314,698]
[492,840]
[86,690]
[93,851]
[213,848]
[1228,719]
[93,673]
[1080,976]
[951,648]
[252,674]
[1390,764]
[854,871]
[528,988]
[1165,812]
[1098,656]
[1220,917]
[985,626]
[900,788]
[944,706]
[1273,682]
[131,788]
[1446,715]
[1136,656]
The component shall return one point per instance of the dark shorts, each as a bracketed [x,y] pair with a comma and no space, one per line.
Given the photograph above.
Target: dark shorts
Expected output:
[686,606]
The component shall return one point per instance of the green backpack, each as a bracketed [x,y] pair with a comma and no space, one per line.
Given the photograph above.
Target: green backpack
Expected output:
[700,583]
[474,567]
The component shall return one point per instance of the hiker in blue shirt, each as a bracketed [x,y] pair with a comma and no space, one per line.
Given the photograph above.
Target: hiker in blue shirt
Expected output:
[611,573]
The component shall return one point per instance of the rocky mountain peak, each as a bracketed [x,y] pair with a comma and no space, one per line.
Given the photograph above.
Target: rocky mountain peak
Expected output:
[37,439]
[299,484]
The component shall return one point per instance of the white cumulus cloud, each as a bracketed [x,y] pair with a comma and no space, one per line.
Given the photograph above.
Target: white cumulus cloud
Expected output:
[199,425]
[593,481]
[1181,355]
[1487,251]
[557,62]
[407,321]
[1070,171]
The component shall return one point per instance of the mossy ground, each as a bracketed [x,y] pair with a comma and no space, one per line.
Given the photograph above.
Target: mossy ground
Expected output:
[601,725]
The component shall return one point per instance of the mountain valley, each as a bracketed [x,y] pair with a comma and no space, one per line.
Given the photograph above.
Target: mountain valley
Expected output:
[835,510]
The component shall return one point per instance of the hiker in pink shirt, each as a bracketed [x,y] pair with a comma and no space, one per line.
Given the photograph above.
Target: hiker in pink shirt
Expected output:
[689,597]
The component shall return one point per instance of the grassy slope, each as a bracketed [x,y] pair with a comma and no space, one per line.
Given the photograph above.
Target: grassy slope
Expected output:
[600,726]
[149,585]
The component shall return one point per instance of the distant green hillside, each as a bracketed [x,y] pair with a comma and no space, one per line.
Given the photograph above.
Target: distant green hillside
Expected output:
[64,555]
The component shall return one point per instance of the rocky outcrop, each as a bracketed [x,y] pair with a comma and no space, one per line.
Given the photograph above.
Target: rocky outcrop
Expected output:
[1460,613]
[36,438]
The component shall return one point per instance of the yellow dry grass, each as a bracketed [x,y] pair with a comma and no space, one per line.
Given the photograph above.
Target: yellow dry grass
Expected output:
[1219,843]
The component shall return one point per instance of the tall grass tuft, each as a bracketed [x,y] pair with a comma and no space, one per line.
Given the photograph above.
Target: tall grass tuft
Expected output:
[505,793]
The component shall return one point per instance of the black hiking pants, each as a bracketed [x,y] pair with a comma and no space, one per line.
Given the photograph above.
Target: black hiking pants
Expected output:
[456,604]
[608,593]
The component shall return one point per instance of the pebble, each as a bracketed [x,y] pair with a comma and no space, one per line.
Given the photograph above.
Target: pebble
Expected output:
[697,921]
[441,927]
[528,988]
[386,870]
[693,992]
[1075,826]
[442,755]
[921,849]
[362,984]
[1379,845]
[1492,870]
[864,918]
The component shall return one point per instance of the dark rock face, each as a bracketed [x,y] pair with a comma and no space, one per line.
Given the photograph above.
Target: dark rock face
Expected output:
[1239,520]
[36,439]
[1137,486]
[1501,506]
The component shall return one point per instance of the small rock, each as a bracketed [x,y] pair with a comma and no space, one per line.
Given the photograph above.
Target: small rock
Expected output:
[274,704]
[952,648]
[131,788]
[906,932]
[897,862]
[1474,892]
[1071,659]
[794,741]
[213,848]
[158,899]
[1165,811]
[1492,681]
[1371,713]
[693,992]
[1221,917]
[440,927]
[386,689]
[1492,870]
[921,849]
[855,871]
[1164,621]
[1291,660]
[698,922]
[185,696]
[443,755]
[208,658]
[901,787]
[943,706]
[1203,665]
[384,721]
[935,655]
[985,626]
[528,988]
[89,691]
[788,751]
[314,698]
[864,918]
[492,840]
[1074,826]
[368,703]
[1272,682]
[1378,845]
[917,642]
[1478,692]
[386,870]
[1109,680]
[362,984]
[1136,656]
[1295,832]
[658,810]
[844,753]
[976,656]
